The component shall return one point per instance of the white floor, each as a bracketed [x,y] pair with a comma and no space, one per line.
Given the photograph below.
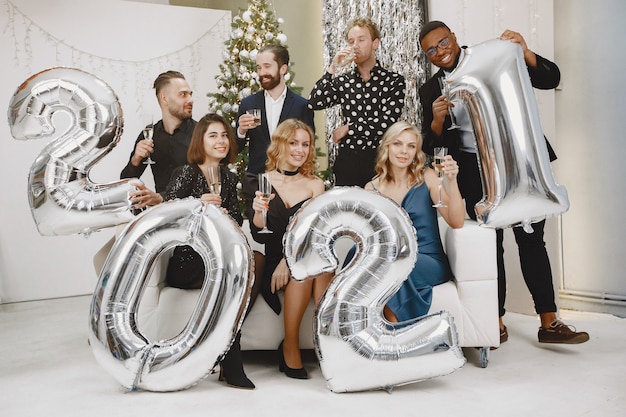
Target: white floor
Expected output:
[47,369]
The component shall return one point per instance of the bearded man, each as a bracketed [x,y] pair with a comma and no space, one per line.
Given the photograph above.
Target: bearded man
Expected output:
[277,103]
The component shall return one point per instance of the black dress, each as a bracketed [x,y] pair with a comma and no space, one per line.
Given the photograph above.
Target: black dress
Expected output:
[186,268]
[189,181]
[278,217]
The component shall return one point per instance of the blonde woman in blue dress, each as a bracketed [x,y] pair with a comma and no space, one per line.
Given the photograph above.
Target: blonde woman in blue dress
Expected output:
[402,176]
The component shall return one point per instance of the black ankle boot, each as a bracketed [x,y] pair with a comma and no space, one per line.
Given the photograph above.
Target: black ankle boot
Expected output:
[231,367]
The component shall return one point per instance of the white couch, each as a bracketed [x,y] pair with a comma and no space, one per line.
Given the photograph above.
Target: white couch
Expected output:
[472,298]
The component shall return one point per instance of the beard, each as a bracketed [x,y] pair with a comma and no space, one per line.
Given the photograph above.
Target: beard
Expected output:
[270,82]
[181,113]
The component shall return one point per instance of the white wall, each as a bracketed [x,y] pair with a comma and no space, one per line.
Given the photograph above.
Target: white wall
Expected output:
[591,112]
[126,44]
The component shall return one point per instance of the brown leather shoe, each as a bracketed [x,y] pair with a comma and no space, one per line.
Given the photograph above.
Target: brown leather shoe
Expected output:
[559,332]
[504,336]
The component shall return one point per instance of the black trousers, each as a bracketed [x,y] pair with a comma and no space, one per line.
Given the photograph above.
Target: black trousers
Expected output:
[533,255]
[354,166]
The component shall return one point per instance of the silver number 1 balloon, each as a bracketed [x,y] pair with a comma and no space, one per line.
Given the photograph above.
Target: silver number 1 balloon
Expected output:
[518,185]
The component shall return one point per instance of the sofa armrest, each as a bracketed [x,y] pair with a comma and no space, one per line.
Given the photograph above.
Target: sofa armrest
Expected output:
[471,251]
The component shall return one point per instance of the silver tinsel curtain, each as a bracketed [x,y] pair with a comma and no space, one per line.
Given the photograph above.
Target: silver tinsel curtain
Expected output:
[399,22]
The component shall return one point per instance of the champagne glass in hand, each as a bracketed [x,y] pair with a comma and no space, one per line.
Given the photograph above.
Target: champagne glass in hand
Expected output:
[445,90]
[346,59]
[438,157]
[214,176]
[148,132]
[265,187]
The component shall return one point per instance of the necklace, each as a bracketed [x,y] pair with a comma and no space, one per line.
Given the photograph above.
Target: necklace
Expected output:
[288,173]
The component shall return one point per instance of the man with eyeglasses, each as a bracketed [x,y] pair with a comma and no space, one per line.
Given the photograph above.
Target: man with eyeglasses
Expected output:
[442,50]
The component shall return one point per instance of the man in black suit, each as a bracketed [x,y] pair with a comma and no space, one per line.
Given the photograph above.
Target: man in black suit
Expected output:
[443,51]
[277,103]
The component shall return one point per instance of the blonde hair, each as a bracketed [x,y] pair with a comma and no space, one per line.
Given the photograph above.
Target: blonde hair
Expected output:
[364,22]
[383,166]
[278,149]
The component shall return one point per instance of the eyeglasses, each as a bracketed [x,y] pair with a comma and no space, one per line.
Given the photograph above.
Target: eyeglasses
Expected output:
[441,45]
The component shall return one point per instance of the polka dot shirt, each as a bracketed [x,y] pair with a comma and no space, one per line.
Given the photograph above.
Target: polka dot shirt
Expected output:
[369,107]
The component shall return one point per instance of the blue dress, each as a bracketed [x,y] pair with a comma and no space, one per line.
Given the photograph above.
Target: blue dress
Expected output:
[432,268]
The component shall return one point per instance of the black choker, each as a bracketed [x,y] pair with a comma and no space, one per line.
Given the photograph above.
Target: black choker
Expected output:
[288,173]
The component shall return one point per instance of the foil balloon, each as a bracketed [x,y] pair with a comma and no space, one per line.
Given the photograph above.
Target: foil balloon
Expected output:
[62,198]
[179,362]
[493,84]
[357,348]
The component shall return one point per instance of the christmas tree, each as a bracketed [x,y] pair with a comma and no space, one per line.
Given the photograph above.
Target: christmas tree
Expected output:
[252,29]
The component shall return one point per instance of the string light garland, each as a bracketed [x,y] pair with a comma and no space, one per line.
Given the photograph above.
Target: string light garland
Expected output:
[25,32]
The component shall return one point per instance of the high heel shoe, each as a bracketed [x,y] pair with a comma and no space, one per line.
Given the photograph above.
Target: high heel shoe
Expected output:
[231,367]
[297,373]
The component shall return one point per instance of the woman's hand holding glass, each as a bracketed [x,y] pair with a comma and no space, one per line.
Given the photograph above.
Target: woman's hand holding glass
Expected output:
[450,168]
[260,205]
[438,163]
[447,168]
[265,194]
[211,198]
[214,181]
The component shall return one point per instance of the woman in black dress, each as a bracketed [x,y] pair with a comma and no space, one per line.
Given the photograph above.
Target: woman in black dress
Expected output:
[212,145]
[291,170]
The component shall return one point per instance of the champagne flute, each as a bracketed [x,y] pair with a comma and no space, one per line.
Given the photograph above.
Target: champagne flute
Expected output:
[445,89]
[214,175]
[265,187]
[148,132]
[256,113]
[438,156]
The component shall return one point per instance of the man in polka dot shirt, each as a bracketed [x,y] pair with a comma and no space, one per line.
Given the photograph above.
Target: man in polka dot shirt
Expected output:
[371,100]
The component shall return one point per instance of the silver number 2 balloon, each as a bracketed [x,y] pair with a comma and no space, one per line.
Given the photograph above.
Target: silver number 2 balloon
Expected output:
[62,198]
[518,185]
[181,361]
[357,348]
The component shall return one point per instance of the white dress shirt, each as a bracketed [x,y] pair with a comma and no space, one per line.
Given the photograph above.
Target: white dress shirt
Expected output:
[273,108]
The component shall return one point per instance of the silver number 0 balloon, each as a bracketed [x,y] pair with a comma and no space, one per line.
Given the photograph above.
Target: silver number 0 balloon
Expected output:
[179,362]
[357,348]
[518,185]
[62,198]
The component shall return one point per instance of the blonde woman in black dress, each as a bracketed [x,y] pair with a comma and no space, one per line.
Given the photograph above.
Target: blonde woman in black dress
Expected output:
[291,169]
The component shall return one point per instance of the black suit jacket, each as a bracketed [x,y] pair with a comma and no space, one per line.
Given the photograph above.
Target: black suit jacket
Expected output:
[294,107]
[544,76]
